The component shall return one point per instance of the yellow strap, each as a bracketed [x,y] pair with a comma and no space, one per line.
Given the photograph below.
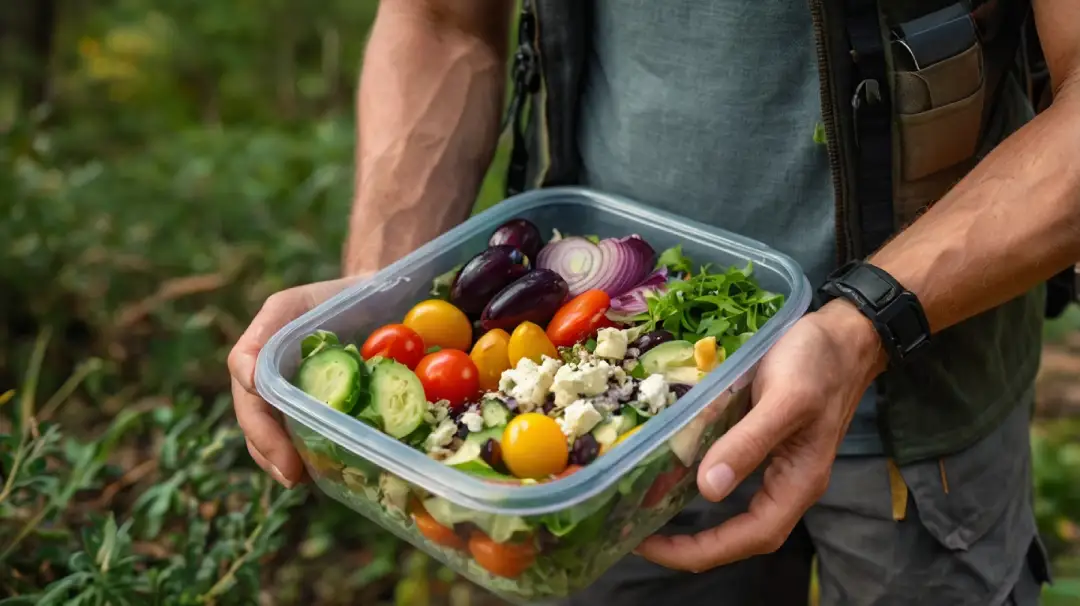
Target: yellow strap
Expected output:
[899,491]
[944,478]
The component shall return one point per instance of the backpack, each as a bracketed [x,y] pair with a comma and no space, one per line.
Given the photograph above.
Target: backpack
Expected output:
[913,93]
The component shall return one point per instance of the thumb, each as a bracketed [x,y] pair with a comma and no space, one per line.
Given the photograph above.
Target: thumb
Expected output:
[743,448]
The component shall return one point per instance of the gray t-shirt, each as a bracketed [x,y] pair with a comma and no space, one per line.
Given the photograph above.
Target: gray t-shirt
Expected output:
[707,108]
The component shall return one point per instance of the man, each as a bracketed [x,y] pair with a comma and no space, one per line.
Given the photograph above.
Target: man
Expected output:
[708,109]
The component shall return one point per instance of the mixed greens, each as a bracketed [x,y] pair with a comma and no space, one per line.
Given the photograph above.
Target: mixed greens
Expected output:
[522,373]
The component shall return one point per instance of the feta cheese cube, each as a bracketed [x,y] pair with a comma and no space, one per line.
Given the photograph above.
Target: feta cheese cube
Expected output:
[575,380]
[528,383]
[442,435]
[578,419]
[473,420]
[611,343]
[654,393]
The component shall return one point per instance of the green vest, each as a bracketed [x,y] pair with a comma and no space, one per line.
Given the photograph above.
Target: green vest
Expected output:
[902,125]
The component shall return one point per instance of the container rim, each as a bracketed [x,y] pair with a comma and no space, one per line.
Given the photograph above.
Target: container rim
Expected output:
[465,490]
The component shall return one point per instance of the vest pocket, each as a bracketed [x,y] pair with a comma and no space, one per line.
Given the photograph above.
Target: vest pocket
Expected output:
[939,110]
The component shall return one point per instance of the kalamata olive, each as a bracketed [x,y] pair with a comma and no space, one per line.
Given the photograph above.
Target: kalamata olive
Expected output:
[534,297]
[584,450]
[485,275]
[491,453]
[680,389]
[650,340]
[549,403]
[519,233]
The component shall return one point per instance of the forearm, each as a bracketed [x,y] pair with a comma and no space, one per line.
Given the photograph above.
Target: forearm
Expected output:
[428,111]
[1012,223]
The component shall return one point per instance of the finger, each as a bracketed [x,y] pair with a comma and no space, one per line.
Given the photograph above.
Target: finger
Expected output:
[267,437]
[278,310]
[744,447]
[774,511]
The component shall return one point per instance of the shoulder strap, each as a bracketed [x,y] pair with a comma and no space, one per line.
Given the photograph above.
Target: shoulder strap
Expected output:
[871,102]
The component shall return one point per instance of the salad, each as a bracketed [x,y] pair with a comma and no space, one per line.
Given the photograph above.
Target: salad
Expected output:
[526,364]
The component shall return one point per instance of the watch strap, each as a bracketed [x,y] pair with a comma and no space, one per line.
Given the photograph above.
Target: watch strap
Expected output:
[895,312]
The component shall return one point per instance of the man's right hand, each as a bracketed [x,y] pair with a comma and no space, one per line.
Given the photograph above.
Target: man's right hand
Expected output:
[266,438]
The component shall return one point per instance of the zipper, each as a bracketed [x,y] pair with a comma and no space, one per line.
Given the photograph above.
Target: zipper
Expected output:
[843,234]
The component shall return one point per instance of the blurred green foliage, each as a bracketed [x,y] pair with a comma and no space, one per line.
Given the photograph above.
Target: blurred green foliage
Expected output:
[165,165]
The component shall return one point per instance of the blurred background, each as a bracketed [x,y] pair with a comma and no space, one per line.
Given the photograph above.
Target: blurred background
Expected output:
[165,165]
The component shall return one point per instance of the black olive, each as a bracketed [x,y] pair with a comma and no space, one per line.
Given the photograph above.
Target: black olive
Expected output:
[585,450]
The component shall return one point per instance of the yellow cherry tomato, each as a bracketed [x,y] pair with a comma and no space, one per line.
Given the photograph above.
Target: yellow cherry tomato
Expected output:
[440,324]
[533,446]
[491,357]
[530,341]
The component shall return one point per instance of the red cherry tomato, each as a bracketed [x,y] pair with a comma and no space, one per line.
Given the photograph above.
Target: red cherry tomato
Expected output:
[506,560]
[449,374]
[395,341]
[662,485]
[580,317]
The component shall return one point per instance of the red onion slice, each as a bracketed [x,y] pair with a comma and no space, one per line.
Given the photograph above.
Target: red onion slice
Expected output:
[614,265]
[633,301]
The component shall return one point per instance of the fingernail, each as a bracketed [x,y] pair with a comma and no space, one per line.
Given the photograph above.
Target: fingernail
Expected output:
[280,477]
[720,480]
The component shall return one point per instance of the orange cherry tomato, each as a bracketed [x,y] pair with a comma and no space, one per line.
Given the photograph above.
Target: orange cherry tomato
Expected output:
[440,323]
[529,341]
[534,446]
[448,374]
[507,560]
[579,318]
[436,532]
[395,341]
[490,354]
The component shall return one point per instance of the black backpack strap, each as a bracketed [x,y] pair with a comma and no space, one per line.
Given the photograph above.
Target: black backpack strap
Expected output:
[526,80]
[871,102]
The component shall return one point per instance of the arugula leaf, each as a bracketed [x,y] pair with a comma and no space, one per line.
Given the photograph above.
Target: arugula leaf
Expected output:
[729,306]
[440,286]
[674,259]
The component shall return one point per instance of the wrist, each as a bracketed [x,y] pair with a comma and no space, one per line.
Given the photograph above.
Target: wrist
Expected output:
[854,333]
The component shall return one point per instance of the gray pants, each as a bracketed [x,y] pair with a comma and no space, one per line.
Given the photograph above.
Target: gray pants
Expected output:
[966,535]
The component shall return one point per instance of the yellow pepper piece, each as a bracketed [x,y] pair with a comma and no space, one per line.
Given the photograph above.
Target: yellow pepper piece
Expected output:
[627,435]
[707,355]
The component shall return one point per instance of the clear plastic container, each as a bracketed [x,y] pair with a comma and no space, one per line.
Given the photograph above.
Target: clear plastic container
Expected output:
[581,524]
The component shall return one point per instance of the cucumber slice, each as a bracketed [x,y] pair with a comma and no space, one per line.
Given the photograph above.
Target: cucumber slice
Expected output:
[398,397]
[334,377]
[668,355]
[469,451]
[481,437]
[494,413]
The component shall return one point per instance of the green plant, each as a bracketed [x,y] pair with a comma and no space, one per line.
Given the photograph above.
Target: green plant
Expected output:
[195,534]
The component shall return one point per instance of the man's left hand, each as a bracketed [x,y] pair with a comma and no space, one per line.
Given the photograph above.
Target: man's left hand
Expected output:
[803,398]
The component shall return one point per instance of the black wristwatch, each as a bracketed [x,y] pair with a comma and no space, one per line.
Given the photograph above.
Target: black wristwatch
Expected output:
[895,311]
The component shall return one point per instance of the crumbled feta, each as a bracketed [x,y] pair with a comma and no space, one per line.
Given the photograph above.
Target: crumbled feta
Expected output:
[436,412]
[441,435]
[473,420]
[611,343]
[575,380]
[654,393]
[528,383]
[578,419]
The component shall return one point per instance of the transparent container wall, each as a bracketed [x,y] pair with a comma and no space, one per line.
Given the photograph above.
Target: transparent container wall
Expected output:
[534,558]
